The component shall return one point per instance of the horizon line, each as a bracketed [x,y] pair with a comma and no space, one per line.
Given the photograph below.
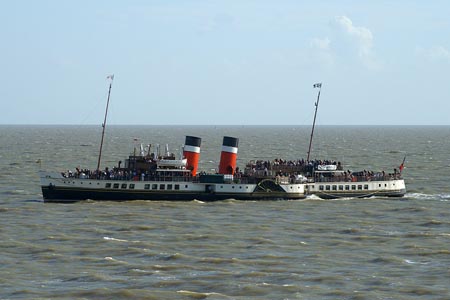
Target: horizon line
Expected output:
[221,125]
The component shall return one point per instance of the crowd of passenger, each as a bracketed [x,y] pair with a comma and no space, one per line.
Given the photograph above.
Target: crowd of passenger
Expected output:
[121,174]
[295,170]
[300,165]
[102,174]
[349,176]
[292,168]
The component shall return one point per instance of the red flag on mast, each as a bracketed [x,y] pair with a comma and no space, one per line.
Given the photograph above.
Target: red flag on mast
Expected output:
[402,166]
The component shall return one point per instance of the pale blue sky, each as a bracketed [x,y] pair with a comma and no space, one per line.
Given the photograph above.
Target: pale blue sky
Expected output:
[225,62]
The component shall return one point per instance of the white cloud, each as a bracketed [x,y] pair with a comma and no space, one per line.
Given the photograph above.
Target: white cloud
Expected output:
[321,51]
[435,53]
[356,40]
[321,44]
[360,35]
[217,22]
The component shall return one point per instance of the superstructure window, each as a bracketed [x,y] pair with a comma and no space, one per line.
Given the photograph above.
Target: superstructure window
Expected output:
[366,186]
[131,186]
[147,186]
[124,186]
[108,185]
[177,186]
[116,185]
[154,186]
[341,187]
[162,186]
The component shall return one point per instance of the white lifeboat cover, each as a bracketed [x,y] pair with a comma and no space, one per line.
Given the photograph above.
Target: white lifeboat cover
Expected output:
[172,162]
[326,167]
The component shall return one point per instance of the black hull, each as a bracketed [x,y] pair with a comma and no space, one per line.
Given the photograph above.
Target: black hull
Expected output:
[366,194]
[66,195]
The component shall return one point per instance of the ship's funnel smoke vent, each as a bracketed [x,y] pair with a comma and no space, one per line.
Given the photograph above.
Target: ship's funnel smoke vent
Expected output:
[229,155]
[191,152]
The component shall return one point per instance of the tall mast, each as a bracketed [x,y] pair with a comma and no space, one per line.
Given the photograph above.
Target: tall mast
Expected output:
[111,78]
[316,85]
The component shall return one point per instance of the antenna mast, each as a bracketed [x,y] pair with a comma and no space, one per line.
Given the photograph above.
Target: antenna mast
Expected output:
[111,78]
[316,85]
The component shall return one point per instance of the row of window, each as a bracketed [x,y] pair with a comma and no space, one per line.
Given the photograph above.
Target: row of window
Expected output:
[147,186]
[98,183]
[234,187]
[346,187]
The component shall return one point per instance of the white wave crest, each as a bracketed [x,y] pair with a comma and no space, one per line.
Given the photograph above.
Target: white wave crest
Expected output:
[421,196]
[113,239]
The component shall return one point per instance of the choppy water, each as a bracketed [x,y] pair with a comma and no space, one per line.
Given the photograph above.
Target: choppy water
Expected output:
[376,248]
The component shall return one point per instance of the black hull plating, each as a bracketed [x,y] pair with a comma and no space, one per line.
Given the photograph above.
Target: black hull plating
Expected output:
[73,195]
[334,195]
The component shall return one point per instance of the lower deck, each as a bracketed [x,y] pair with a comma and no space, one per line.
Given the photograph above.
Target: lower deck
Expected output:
[61,189]
[360,189]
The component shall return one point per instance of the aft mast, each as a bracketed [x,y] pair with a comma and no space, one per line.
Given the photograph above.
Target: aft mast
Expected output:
[111,78]
[316,85]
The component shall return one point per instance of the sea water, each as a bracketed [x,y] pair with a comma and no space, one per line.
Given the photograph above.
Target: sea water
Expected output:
[375,248]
